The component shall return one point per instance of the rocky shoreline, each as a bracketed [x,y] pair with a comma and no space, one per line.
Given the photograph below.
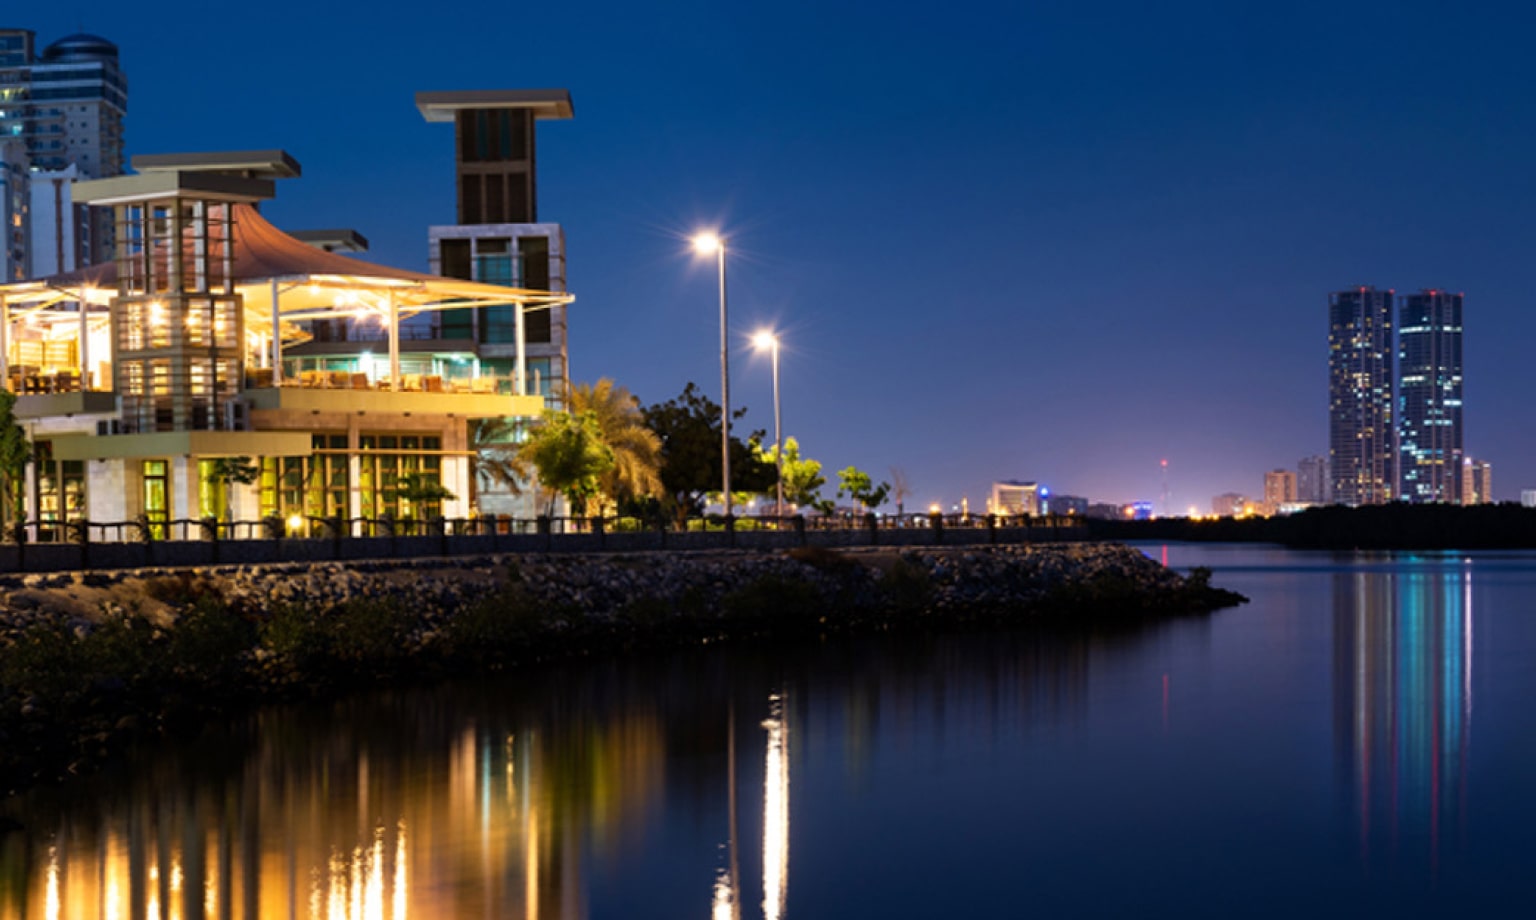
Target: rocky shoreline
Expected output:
[90,662]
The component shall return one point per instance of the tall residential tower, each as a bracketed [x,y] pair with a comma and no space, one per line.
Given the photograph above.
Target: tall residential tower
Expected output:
[1361,444]
[65,107]
[1429,388]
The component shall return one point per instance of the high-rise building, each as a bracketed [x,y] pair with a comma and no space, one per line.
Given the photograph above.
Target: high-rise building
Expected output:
[1312,481]
[1361,443]
[15,218]
[1476,482]
[65,107]
[1429,387]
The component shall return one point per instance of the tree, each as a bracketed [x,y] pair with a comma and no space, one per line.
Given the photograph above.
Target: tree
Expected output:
[224,472]
[495,459]
[424,493]
[857,485]
[570,456]
[689,429]
[900,490]
[636,470]
[802,476]
[15,453]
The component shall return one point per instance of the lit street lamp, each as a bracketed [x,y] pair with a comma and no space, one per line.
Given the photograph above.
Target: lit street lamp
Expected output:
[709,244]
[768,340]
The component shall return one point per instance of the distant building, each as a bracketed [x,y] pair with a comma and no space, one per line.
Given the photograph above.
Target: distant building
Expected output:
[1013,497]
[1476,482]
[1069,504]
[15,222]
[1279,489]
[1312,480]
[1107,511]
[61,230]
[1230,504]
[1528,498]
[1362,451]
[65,106]
[1429,393]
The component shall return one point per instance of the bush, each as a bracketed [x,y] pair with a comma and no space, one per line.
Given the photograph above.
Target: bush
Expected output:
[774,598]
[907,587]
[496,622]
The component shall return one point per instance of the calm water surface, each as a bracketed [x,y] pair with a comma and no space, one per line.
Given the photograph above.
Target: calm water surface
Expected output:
[1358,740]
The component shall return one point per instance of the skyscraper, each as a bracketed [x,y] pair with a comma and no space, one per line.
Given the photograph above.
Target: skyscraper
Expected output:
[1361,442]
[1429,381]
[65,107]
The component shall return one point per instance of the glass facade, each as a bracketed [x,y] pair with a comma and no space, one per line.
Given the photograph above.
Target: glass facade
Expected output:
[1429,396]
[1361,449]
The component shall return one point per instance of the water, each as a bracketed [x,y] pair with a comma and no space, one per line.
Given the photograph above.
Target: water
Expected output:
[1357,740]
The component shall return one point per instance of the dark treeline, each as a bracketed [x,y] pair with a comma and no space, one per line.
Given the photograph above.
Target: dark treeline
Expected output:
[1394,526]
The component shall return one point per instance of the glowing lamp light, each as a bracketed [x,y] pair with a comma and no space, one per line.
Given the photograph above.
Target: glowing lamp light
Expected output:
[707,244]
[934,508]
[764,340]
[295,522]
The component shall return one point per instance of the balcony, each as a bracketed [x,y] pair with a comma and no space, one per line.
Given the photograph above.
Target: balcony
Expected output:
[424,394]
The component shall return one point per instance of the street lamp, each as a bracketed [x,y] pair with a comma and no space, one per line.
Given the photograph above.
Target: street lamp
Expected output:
[766,339]
[710,244]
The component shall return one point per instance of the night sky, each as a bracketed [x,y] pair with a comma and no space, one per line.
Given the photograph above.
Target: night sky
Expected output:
[1041,241]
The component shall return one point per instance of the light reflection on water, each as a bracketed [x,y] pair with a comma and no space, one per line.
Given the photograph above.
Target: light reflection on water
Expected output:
[632,788]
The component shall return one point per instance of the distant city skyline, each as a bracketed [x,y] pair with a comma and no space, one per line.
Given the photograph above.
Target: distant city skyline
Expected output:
[1135,251]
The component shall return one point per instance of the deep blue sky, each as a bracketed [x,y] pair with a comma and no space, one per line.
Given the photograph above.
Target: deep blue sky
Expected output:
[1055,241]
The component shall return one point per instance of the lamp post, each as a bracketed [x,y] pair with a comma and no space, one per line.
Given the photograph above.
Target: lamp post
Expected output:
[709,244]
[768,340]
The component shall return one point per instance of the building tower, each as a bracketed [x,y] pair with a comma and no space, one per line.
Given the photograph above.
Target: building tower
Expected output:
[66,107]
[1361,445]
[1429,382]
[498,238]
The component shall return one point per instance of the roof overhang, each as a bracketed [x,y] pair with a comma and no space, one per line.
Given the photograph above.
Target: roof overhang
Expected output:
[206,186]
[544,103]
[252,164]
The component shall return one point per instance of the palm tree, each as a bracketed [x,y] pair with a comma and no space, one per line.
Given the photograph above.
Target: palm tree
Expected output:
[636,450]
[496,459]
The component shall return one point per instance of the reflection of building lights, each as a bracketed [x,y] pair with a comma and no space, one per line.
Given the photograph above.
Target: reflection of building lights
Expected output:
[724,898]
[51,902]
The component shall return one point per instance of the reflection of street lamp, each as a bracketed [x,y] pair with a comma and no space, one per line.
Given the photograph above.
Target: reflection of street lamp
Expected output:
[766,339]
[709,244]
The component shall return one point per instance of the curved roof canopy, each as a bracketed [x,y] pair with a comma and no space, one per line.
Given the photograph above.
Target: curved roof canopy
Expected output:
[310,283]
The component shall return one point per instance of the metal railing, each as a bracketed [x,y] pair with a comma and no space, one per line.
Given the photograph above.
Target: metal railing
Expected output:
[308,527]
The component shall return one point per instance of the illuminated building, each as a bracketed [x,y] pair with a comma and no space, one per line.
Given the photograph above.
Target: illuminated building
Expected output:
[1528,498]
[498,238]
[211,336]
[1312,480]
[1069,504]
[1429,388]
[66,107]
[1279,488]
[1361,444]
[15,219]
[1013,497]
[1230,504]
[1476,482]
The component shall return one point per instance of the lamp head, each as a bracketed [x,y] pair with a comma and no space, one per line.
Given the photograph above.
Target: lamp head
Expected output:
[707,244]
[764,340]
